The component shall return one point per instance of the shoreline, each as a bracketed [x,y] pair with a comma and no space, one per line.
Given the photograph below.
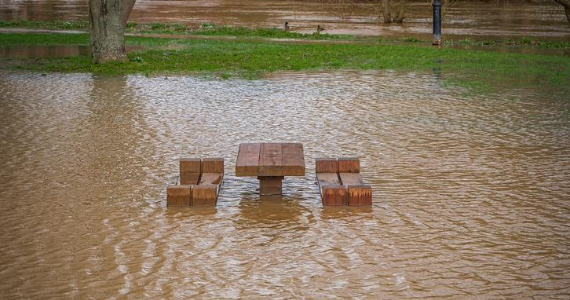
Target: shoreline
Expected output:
[254,57]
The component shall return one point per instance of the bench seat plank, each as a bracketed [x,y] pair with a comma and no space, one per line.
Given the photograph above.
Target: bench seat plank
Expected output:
[328,179]
[332,192]
[351,179]
[211,178]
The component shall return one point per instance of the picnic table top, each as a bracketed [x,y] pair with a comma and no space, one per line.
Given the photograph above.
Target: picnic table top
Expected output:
[270,159]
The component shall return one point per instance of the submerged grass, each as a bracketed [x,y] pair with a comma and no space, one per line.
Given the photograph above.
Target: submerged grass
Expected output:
[32,39]
[541,44]
[222,30]
[209,29]
[212,29]
[477,70]
[67,25]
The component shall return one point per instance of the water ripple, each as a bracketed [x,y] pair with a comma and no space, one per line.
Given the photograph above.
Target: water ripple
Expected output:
[470,192]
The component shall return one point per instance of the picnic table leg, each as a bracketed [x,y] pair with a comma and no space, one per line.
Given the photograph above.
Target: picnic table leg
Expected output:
[270,185]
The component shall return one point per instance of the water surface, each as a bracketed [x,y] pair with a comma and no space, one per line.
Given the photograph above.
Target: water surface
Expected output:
[474,20]
[38,51]
[470,191]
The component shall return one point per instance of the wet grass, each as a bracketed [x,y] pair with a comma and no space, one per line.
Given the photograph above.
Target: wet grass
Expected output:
[32,39]
[62,25]
[206,29]
[477,70]
[222,30]
[212,29]
[541,44]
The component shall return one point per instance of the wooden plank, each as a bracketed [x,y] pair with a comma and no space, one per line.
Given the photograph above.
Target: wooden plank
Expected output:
[190,170]
[332,192]
[293,159]
[179,195]
[351,179]
[205,195]
[213,165]
[211,178]
[326,165]
[271,185]
[359,195]
[328,178]
[271,159]
[349,165]
[334,195]
[247,163]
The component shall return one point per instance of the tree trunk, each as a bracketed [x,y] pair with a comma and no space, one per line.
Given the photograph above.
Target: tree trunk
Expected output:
[386,11]
[399,18]
[107,22]
[566,4]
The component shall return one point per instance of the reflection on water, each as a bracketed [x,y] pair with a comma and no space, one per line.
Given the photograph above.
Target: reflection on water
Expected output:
[43,51]
[470,19]
[50,51]
[471,193]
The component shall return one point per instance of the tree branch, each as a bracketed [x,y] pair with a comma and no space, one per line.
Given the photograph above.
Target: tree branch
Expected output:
[565,3]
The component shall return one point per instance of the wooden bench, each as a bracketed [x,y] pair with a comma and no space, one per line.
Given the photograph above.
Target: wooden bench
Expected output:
[199,183]
[340,182]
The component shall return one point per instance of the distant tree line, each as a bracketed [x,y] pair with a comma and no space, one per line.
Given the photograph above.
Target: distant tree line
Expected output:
[394,11]
[566,4]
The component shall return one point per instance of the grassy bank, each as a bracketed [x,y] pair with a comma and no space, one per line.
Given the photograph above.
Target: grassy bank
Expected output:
[211,29]
[60,25]
[206,29]
[522,42]
[218,30]
[253,59]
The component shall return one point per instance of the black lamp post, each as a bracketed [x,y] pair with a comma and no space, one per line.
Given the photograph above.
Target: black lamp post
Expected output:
[436,22]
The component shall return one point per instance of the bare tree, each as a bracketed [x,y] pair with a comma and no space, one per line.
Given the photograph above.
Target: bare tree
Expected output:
[566,4]
[107,22]
[399,18]
[386,11]
[401,9]
[385,8]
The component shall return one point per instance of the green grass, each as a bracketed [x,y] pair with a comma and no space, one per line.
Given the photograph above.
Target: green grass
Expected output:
[132,27]
[252,59]
[67,25]
[409,39]
[211,29]
[206,29]
[221,30]
[31,39]
[541,44]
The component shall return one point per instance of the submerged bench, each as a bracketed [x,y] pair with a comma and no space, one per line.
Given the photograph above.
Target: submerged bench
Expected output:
[340,182]
[199,183]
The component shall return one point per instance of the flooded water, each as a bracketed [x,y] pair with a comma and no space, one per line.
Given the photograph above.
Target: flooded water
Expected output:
[50,51]
[43,51]
[476,20]
[470,191]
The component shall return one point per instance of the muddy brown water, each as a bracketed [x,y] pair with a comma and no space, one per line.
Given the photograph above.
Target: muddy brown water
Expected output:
[50,51]
[471,194]
[475,20]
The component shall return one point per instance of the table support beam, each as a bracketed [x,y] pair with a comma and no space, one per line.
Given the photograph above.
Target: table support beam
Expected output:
[270,185]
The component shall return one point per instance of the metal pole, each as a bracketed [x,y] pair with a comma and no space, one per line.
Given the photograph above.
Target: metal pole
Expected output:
[436,22]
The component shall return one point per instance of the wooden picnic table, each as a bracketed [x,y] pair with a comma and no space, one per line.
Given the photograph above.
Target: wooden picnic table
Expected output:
[270,163]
